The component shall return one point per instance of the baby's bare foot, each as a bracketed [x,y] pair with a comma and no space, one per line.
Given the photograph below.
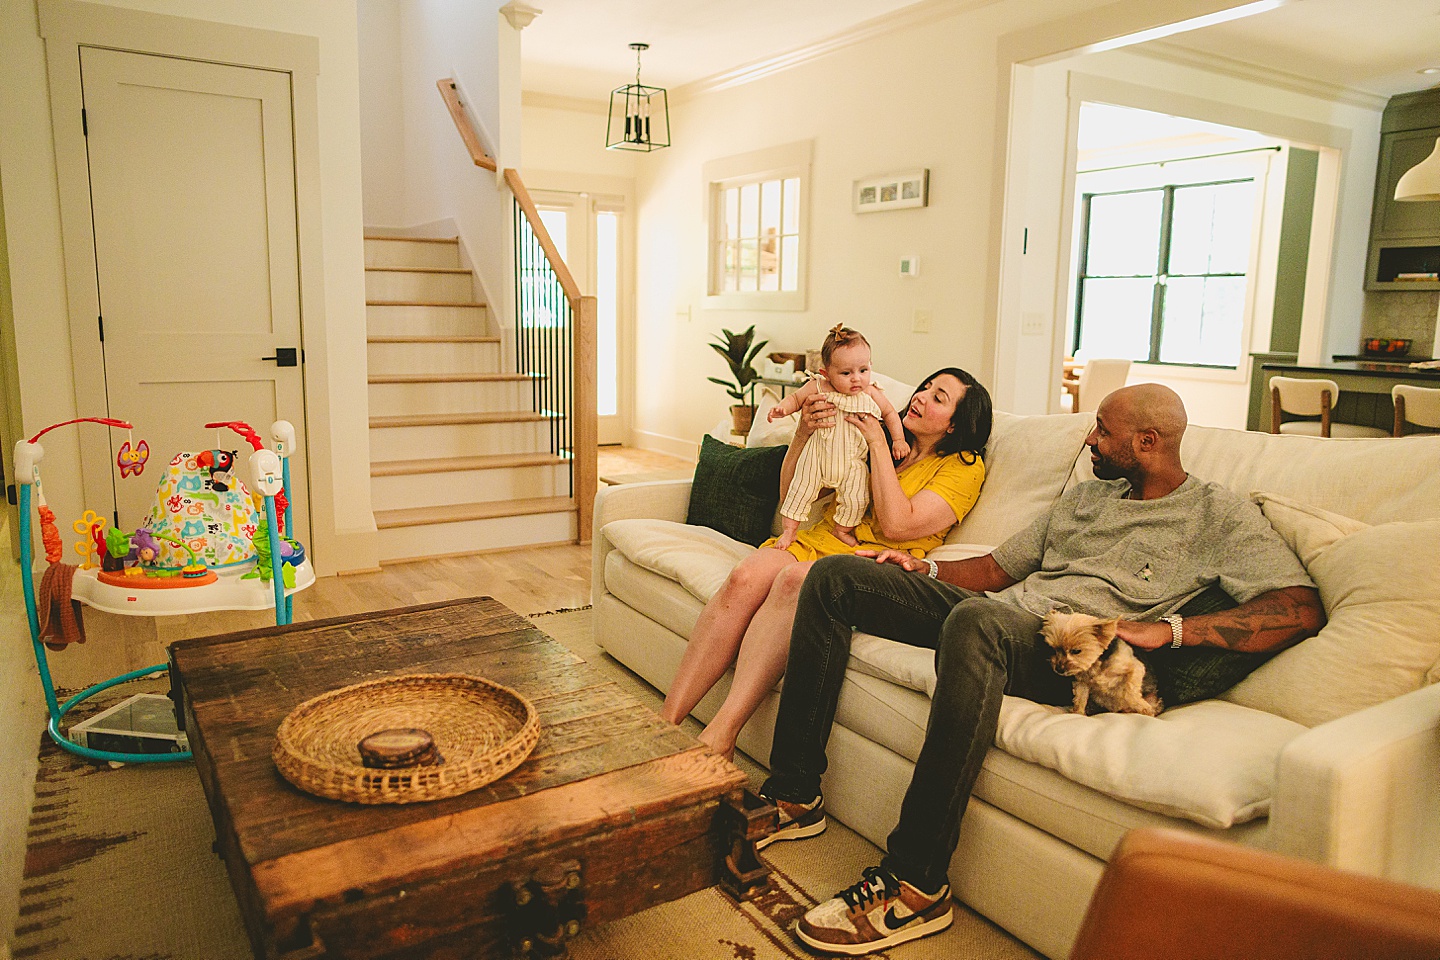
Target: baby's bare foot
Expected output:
[846,535]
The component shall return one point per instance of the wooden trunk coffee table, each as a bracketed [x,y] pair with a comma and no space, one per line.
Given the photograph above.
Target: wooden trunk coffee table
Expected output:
[615,810]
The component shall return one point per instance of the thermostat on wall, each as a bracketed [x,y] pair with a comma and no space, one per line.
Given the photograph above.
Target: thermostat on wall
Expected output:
[909,266]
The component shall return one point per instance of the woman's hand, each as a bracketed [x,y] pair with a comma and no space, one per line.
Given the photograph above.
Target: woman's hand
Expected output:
[816,413]
[870,427]
[900,558]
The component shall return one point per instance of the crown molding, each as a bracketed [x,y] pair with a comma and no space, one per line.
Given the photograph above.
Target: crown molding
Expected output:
[919,14]
[555,101]
[1168,52]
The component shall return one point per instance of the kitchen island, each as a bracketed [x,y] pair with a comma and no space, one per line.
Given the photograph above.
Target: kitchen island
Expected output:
[1364,387]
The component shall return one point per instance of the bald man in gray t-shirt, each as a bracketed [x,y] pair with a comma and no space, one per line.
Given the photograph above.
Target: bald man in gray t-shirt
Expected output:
[1138,543]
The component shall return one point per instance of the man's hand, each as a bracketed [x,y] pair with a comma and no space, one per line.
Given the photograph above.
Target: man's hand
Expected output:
[898,557]
[1144,636]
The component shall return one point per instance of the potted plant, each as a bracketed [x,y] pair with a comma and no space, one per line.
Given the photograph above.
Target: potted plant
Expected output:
[739,351]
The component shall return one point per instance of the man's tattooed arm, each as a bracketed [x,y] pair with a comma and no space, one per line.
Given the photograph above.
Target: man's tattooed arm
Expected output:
[1267,624]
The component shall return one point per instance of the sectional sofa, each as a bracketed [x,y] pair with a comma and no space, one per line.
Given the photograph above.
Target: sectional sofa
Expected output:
[1330,751]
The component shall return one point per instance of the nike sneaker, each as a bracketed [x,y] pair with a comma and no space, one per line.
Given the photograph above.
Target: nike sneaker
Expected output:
[797,820]
[878,912]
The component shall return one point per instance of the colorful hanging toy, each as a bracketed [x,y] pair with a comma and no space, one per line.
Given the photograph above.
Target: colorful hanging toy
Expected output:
[131,460]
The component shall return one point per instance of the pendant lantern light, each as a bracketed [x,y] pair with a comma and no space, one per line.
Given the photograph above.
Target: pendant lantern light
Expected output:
[639,115]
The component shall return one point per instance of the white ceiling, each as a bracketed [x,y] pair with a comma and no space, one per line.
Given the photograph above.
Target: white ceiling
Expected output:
[579,48]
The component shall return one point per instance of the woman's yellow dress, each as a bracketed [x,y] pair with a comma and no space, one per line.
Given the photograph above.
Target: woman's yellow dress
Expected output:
[955,481]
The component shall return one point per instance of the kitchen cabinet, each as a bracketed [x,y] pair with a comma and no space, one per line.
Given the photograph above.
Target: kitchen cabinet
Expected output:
[1404,236]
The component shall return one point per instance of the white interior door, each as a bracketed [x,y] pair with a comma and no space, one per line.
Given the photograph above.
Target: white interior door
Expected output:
[589,232]
[192,185]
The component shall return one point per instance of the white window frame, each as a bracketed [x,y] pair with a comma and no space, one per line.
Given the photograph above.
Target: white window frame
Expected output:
[773,163]
[1253,163]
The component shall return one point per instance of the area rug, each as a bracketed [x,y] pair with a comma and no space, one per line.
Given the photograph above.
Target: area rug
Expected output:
[119,867]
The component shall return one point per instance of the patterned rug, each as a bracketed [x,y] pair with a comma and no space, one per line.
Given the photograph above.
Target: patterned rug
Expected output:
[119,867]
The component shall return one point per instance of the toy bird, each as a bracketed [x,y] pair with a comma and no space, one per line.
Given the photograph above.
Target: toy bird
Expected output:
[220,464]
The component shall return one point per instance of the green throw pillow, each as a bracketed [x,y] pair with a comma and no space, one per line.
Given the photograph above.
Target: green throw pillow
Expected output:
[736,490]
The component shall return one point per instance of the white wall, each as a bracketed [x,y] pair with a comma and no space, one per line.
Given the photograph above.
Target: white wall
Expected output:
[382,114]
[922,97]
[418,175]
[572,139]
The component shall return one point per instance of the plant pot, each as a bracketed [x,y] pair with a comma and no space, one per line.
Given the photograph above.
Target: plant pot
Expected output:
[741,418]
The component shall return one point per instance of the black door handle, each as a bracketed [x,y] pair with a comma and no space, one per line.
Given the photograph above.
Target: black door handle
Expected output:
[285,357]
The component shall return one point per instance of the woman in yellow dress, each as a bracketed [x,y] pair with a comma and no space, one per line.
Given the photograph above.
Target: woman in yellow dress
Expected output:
[914,503]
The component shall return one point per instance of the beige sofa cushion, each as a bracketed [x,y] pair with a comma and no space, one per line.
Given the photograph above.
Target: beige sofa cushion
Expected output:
[1027,463]
[1210,762]
[1381,589]
[1370,480]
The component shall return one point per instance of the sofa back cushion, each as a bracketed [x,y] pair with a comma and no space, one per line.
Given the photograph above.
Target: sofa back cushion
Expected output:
[1373,481]
[1382,598]
[1027,463]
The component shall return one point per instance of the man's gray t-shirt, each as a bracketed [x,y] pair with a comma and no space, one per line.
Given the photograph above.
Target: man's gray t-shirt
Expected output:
[1099,553]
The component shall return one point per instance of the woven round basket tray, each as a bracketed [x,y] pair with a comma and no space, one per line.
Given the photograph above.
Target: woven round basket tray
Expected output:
[481,732]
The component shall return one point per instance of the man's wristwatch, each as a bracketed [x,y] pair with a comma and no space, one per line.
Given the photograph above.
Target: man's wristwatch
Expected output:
[934,572]
[1177,635]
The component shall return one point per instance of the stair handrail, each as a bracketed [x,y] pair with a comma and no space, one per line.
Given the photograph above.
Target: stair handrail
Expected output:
[584,309]
[450,93]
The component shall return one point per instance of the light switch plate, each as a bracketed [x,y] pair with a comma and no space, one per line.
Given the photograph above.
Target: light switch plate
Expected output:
[921,323]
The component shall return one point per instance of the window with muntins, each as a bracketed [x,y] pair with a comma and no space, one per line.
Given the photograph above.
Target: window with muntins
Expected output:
[1163,273]
[757,226]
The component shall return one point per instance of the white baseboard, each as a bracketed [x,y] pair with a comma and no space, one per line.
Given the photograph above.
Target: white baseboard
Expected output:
[660,443]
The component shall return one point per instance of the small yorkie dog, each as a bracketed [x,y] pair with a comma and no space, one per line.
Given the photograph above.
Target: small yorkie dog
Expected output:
[1104,668]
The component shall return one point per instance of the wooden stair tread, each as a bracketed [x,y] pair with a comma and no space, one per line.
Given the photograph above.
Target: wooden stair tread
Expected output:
[465,270]
[457,419]
[494,461]
[432,339]
[416,239]
[420,516]
[452,377]
[424,303]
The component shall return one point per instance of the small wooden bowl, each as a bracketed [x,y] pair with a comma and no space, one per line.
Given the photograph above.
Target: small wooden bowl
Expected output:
[398,747]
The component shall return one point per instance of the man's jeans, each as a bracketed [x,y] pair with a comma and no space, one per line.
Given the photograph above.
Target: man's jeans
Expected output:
[984,649]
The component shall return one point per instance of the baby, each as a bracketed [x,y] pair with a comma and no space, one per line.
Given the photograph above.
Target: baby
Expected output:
[838,457]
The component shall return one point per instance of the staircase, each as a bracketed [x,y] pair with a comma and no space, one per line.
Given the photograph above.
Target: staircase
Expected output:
[460,459]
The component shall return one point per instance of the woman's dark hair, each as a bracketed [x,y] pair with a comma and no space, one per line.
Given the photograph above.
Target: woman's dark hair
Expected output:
[972,419]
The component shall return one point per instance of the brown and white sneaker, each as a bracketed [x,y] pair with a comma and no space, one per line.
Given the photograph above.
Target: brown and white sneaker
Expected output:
[878,912]
[797,820]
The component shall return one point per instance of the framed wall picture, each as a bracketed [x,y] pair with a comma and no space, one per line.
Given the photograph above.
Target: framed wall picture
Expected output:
[893,191]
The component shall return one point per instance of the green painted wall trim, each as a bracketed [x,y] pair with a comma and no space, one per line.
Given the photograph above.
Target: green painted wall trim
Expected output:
[1294,249]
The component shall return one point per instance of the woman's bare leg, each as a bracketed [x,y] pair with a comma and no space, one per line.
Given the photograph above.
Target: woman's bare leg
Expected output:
[761,660]
[717,634]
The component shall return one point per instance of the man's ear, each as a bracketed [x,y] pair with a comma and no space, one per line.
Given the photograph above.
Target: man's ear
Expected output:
[1146,440]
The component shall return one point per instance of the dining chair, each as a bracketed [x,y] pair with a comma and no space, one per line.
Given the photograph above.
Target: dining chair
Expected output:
[1304,397]
[1098,379]
[1417,405]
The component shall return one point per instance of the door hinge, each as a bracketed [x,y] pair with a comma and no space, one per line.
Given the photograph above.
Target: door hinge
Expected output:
[84,123]
[101,322]
[10,494]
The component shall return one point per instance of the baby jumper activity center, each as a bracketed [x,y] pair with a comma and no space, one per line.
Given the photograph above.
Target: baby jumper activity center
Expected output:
[208,544]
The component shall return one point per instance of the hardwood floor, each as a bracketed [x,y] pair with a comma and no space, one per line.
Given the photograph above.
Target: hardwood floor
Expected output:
[528,581]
